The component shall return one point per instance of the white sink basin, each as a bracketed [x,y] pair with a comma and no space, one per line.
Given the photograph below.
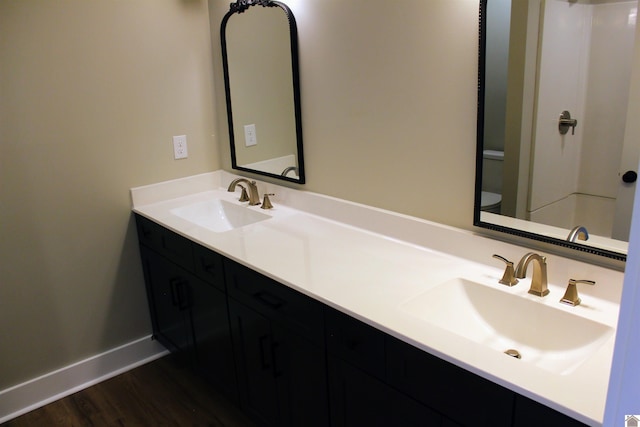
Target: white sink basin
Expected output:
[549,338]
[219,215]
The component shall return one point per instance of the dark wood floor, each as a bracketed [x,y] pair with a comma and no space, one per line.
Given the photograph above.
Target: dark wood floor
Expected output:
[161,393]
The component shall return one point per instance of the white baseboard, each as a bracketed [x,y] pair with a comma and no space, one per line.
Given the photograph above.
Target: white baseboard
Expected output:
[32,394]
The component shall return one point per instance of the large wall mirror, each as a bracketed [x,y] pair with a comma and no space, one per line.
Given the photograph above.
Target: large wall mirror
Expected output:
[553,163]
[260,61]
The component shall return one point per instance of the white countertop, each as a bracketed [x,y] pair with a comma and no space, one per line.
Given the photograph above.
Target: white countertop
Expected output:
[368,262]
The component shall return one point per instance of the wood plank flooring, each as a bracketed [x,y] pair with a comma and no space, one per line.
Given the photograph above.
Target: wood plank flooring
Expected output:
[160,393]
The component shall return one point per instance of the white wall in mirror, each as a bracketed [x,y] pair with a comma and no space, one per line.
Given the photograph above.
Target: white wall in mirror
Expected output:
[576,176]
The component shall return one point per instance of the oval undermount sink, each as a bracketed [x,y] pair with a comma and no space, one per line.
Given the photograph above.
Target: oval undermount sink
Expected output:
[549,338]
[219,215]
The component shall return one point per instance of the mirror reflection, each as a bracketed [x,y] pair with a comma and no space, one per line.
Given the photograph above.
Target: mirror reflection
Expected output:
[552,153]
[259,47]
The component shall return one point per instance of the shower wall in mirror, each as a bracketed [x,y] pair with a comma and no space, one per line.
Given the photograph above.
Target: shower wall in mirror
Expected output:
[260,61]
[540,172]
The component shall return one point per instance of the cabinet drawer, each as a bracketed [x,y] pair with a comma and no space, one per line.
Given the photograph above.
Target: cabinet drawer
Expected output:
[355,342]
[149,233]
[459,395]
[172,245]
[209,266]
[276,301]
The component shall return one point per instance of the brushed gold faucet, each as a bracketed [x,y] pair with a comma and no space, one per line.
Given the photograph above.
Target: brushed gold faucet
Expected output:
[254,198]
[539,277]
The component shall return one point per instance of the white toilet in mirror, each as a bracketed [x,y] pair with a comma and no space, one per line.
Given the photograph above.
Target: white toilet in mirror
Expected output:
[491,196]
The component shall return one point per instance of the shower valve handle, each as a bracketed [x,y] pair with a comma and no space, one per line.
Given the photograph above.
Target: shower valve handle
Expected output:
[565,122]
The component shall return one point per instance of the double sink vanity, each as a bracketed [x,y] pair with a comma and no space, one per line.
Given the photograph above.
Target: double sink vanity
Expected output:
[321,311]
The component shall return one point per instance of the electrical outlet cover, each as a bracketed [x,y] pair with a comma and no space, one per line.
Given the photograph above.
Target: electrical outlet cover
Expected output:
[250,137]
[180,147]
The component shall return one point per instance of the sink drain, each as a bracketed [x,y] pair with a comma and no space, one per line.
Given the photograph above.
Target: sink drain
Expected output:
[513,353]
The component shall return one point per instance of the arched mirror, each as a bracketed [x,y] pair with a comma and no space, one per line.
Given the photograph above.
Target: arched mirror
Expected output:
[260,61]
[552,154]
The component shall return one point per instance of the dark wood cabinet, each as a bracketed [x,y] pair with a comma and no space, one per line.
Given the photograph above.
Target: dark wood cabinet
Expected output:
[189,312]
[253,342]
[301,373]
[289,360]
[169,297]
[359,392]
[360,399]
[279,342]
[214,348]
[456,393]
[377,378]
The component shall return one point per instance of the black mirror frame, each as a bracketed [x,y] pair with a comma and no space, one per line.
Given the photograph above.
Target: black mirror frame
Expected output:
[241,6]
[479,160]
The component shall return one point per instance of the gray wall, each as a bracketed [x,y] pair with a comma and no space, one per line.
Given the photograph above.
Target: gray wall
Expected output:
[91,94]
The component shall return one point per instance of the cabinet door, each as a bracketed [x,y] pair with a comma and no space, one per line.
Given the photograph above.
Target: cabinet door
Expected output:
[169,298]
[300,371]
[214,349]
[253,345]
[358,399]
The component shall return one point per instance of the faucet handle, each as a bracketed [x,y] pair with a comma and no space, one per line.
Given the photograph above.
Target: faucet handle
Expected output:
[266,203]
[571,294]
[244,197]
[509,277]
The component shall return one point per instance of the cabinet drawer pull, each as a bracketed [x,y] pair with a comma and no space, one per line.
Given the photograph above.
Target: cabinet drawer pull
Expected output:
[208,267]
[173,286]
[146,232]
[183,295]
[179,296]
[263,353]
[269,300]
